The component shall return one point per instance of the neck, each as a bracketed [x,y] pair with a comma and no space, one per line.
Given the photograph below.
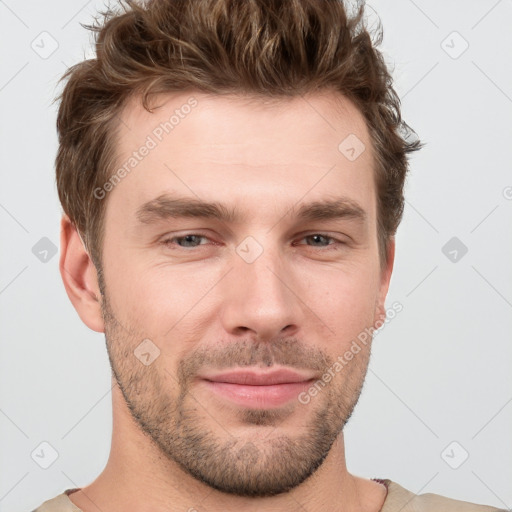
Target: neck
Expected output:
[139,477]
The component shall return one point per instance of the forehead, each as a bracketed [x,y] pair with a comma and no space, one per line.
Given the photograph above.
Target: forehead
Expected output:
[236,149]
[199,118]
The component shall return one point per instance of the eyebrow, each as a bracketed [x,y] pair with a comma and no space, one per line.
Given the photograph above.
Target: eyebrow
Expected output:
[166,206]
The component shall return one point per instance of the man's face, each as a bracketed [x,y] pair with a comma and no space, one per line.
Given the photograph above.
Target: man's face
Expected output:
[268,289]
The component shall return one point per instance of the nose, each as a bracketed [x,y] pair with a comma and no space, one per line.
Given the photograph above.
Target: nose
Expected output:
[259,298]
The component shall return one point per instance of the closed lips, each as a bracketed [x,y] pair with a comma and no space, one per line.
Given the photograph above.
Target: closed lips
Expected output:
[249,378]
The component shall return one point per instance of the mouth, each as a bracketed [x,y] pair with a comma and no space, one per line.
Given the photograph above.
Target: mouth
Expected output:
[258,389]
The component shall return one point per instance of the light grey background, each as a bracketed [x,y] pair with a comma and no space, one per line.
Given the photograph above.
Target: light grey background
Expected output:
[440,371]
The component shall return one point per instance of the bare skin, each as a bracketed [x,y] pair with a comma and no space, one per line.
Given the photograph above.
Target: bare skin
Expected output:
[314,286]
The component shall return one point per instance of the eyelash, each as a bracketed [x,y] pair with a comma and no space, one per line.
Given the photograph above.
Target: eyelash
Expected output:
[169,241]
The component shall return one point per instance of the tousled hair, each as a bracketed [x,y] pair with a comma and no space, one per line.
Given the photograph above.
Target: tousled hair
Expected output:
[272,49]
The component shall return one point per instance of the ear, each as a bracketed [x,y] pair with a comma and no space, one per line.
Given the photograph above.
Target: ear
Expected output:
[385,277]
[80,277]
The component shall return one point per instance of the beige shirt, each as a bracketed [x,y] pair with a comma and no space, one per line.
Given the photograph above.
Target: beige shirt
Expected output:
[398,499]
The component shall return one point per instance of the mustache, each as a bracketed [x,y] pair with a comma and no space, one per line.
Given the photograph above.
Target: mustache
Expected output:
[283,351]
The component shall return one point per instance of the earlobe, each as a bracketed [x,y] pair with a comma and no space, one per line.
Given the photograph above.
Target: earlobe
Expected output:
[80,277]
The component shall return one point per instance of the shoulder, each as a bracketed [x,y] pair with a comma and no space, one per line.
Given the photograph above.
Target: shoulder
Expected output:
[399,498]
[60,503]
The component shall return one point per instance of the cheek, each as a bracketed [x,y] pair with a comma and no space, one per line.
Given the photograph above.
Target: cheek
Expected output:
[162,302]
[138,297]
[343,300]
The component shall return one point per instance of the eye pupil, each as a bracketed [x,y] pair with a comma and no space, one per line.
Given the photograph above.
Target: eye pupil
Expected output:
[190,238]
[317,238]
[190,241]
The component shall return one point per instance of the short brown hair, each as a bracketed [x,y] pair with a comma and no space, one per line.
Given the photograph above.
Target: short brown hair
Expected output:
[260,48]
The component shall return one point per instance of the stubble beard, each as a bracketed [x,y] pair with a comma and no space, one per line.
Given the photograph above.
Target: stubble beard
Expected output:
[186,434]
